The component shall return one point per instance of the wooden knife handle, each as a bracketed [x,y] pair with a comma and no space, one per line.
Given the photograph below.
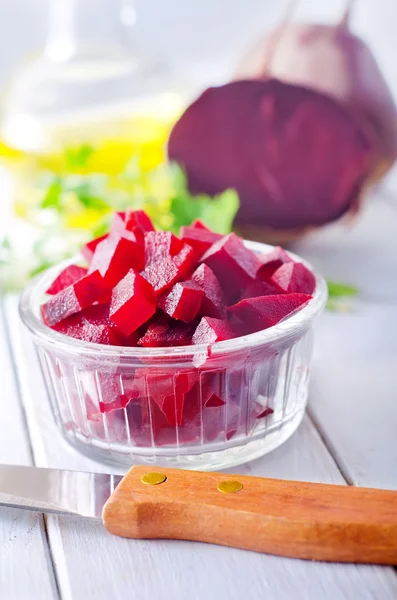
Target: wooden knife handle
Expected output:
[286,518]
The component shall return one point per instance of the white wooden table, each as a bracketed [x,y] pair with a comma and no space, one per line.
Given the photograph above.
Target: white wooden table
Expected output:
[349,436]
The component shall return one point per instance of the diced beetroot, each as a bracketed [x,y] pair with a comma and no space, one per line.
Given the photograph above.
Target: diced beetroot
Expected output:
[256,314]
[211,330]
[138,219]
[260,288]
[212,304]
[200,225]
[168,392]
[88,249]
[234,265]
[271,261]
[65,278]
[160,245]
[168,332]
[265,413]
[161,275]
[185,260]
[199,238]
[74,298]
[135,221]
[214,400]
[132,304]
[90,325]
[182,302]
[116,255]
[294,278]
[118,223]
[91,288]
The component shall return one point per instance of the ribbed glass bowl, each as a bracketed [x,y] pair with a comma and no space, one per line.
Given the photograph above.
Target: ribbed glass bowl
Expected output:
[223,406]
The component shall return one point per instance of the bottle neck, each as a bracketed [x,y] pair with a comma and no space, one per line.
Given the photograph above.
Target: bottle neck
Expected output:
[89,29]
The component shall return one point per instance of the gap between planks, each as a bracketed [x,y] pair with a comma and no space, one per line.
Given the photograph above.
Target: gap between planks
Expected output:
[42,518]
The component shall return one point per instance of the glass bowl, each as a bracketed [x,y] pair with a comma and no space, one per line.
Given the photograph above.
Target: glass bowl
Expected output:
[194,407]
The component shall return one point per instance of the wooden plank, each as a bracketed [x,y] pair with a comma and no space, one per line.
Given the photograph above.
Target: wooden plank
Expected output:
[24,553]
[354,392]
[92,564]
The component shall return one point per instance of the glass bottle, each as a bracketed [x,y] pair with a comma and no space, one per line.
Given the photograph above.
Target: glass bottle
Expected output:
[86,107]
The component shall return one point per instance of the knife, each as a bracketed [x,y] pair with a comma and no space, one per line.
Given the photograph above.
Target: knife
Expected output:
[286,518]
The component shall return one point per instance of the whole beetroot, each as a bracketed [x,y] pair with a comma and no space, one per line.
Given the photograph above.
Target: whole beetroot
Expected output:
[297,158]
[334,61]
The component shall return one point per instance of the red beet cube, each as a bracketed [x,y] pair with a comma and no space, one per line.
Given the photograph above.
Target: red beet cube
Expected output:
[211,330]
[167,332]
[271,261]
[260,288]
[132,304]
[212,304]
[294,277]
[200,225]
[168,392]
[234,265]
[89,248]
[91,288]
[161,275]
[160,245]
[74,298]
[116,255]
[199,238]
[256,314]
[90,325]
[185,260]
[183,301]
[66,277]
[138,219]
[135,221]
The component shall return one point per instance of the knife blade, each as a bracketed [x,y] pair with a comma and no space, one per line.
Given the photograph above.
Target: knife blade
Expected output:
[288,518]
[55,490]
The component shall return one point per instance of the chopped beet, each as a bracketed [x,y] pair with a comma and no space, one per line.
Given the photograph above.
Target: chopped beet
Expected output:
[256,314]
[132,304]
[234,265]
[161,275]
[90,325]
[293,278]
[211,330]
[212,304]
[167,332]
[89,289]
[200,225]
[138,219]
[213,401]
[160,245]
[116,255]
[271,261]
[185,260]
[88,249]
[117,225]
[199,238]
[168,392]
[65,278]
[135,221]
[260,288]
[183,301]
[265,413]
[296,157]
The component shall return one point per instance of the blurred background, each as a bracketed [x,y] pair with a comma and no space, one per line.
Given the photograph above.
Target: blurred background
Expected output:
[91,88]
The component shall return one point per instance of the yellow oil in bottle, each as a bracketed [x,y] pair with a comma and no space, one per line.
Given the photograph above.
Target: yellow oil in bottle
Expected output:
[100,141]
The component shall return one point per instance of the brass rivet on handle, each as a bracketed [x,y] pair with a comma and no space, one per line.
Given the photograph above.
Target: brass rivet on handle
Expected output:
[230,486]
[153,478]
